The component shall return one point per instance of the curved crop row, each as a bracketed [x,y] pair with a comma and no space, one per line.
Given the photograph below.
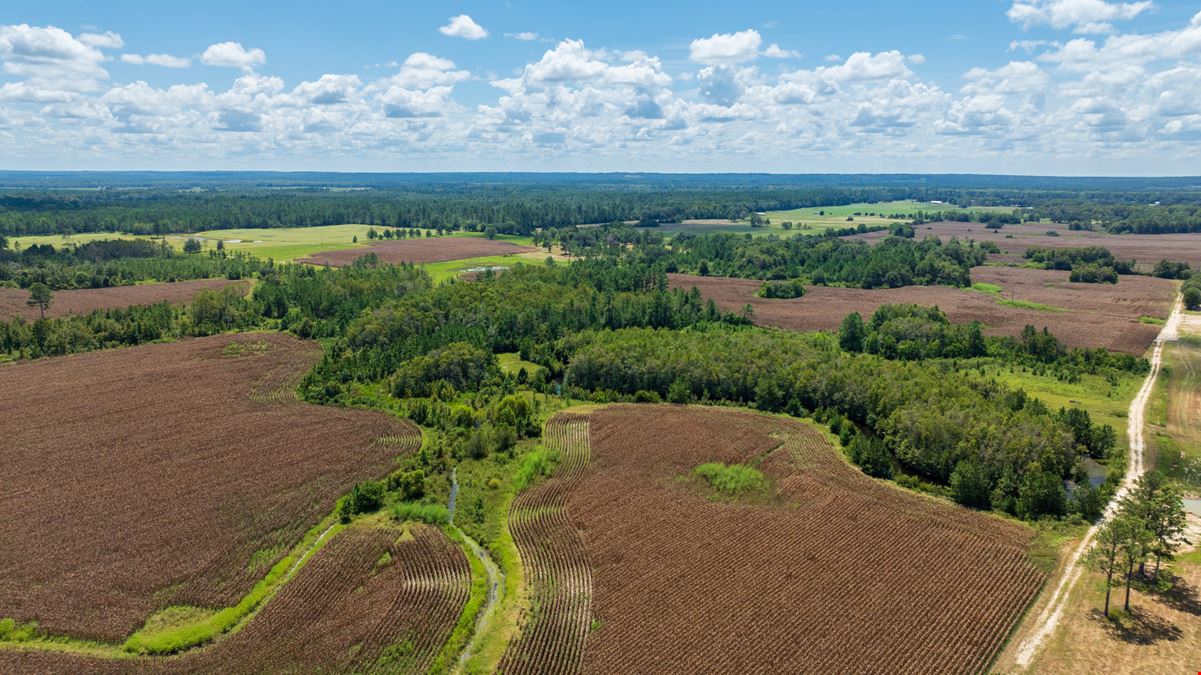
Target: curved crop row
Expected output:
[552,551]
[376,599]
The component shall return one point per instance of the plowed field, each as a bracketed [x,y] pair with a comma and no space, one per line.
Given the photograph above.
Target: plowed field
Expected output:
[432,249]
[835,572]
[1013,240]
[1086,315]
[169,474]
[375,599]
[83,301]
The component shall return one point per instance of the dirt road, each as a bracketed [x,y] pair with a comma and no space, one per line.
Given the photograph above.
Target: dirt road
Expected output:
[1046,621]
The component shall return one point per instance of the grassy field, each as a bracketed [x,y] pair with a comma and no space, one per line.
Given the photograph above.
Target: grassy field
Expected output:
[449,269]
[1175,416]
[1105,403]
[817,219]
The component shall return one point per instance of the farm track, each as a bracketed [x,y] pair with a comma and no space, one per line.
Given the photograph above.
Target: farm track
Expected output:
[375,599]
[556,563]
[1048,619]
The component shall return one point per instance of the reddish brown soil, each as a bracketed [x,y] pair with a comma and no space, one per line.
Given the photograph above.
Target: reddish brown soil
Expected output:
[1095,315]
[135,479]
[433,249]
[344,612]
[556,565]
[83,301]
[835,573]
[1013,240]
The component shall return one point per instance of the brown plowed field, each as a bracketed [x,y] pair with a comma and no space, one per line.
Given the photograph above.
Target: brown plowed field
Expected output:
[136,479]
[1013,240]
[838,573]
[432,249]
[83,301]
[348,610]
[555,562]
[1094,315]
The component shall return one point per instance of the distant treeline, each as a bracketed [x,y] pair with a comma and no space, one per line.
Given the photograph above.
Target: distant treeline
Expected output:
[117,262]
[151,203]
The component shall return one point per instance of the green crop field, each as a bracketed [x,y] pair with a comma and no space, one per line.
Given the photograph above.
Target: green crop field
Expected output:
[818,219]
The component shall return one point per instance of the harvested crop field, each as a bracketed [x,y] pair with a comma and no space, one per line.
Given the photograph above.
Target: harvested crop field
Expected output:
[835,572]
[374,599]
[167,474]
[1014,240]
[1083,315]
[83,301]
[432,249]
[556,565]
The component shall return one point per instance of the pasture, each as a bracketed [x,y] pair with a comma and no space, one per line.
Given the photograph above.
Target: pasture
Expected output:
[814,220]
[168,475]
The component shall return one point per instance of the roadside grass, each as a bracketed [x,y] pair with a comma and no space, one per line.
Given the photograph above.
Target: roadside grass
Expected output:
[1175,413]
[1049,542]
[1152,320]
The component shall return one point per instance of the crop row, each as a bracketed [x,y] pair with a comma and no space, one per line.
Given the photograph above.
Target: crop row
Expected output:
[552,551]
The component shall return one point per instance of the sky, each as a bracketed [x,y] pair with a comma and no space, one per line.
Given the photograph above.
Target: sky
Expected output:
[1063,87]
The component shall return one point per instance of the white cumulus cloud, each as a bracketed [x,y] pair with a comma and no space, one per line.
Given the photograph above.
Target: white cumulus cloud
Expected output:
[463,26]
[164,60]
[233,55]
[725,48]
[1082,16]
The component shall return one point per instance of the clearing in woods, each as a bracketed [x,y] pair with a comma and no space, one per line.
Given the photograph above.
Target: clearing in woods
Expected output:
[167,475]
[835,570]
[86,300]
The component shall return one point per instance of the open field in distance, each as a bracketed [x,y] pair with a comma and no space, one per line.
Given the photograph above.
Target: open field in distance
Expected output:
[85,300]
[1080,315]
[1014,240]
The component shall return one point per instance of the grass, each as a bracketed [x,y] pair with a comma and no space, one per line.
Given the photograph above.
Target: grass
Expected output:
[1174,416]
[991,289]
[465,626]
[538,463]
[434,514]
[450,269]
[731,480]
[1026,304]
[1153,320]
[1049,540]
[512,363]
[822,218]
[1106,403]
[177,628]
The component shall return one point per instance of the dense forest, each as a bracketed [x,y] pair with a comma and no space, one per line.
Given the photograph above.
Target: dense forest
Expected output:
[157,203]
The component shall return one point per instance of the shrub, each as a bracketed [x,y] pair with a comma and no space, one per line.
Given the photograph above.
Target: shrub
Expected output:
[731,480]
[434,514]
[537,463]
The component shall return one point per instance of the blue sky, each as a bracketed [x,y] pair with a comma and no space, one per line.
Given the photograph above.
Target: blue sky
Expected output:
[1014,86]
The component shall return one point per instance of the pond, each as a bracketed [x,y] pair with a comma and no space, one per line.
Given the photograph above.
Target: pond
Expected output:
[1193,506]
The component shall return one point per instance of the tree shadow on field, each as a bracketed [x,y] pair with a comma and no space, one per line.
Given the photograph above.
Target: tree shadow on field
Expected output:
[1138,627]
[1182,597]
